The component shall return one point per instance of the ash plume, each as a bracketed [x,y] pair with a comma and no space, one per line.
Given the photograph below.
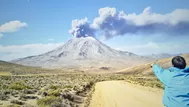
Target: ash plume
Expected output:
[81,28]
[112,23]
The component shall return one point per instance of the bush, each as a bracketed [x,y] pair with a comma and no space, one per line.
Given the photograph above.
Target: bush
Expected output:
[77,99]
[29,91]
[19,86]
[3,96]
[55,93]
[31,97]
[17,102]
[14,92]
[3,86]
[47,101]
[6,92]
[23,97]
[5,77]
[54,87]
[68,86]
[14,105]
[27,105]
[68,95]
[58,104]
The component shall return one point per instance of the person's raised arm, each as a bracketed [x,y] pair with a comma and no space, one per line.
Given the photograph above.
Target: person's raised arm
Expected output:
[159,72]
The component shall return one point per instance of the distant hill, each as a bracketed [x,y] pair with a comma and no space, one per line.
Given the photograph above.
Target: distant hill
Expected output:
[16,69]
[160,55]
[145,69]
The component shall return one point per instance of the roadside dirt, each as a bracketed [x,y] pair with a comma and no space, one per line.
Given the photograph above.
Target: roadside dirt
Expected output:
[123,94]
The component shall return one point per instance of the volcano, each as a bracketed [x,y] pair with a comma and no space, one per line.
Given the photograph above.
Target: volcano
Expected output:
[83,52]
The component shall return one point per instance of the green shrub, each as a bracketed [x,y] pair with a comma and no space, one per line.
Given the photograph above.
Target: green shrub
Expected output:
[68,86]
[3,86]
[158,85]
[29,91]
[54,87]
[58,104]
[14,105]
[6,92]
[47,101]
[14,92]
[17,102]
[3,96]
[19,86]
[5,77]
[54,92]
[23,97]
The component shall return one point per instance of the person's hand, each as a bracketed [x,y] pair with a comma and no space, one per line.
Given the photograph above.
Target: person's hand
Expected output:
[151,65]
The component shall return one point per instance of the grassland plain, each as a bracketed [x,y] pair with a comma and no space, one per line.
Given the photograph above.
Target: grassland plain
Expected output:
[22,86]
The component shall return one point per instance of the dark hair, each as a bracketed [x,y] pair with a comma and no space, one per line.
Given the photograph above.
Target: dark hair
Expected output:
[179,62]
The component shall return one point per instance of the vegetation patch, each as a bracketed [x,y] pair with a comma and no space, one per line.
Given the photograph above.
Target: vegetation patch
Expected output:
[3,96]
[149,81]
[19,86]
[17,102]
[55,93]
[46,101]
[56,89]
[14,105]
[5,73]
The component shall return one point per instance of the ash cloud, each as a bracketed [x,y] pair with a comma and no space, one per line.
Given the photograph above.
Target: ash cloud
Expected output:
[113,23]
[81,28]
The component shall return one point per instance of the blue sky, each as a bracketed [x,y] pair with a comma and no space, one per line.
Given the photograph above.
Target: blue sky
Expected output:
[44,24]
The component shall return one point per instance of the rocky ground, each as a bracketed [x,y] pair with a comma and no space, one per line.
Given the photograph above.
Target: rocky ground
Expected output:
[62,90]
[22,86]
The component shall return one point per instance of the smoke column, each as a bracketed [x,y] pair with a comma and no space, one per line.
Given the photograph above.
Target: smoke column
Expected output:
[112,23]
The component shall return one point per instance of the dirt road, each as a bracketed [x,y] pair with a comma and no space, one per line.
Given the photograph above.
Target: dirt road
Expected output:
[122,94]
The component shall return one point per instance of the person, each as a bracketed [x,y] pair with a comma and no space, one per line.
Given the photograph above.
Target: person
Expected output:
[176,82]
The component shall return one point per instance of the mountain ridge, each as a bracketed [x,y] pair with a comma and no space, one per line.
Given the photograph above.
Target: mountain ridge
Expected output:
[83,52]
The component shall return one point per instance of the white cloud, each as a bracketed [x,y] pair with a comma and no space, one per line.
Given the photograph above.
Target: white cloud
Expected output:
[148,17]
[1,35]
[19,51]
[152,47]
[114,23]
[12,26]
[103,14]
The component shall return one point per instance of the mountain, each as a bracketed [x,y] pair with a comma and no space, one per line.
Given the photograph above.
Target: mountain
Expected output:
[83,52]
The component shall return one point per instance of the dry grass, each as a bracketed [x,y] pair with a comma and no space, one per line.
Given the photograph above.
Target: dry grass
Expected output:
[145,69]
[74,89]
[15,69]
[38,86]
[5,73]
[149,81]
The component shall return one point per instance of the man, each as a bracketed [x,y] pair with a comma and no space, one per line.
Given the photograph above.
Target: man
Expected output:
[176,82]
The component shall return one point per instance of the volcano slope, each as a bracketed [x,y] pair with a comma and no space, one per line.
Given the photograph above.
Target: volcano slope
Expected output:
[85,52]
